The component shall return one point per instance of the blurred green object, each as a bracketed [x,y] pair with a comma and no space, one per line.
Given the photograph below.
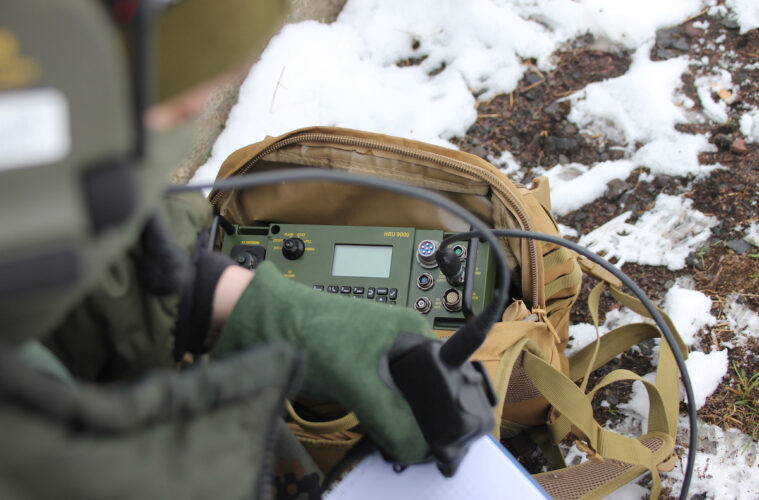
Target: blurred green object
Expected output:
[79,174]
[346,342]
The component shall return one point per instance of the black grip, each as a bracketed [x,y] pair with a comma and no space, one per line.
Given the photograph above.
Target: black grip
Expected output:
[452,404]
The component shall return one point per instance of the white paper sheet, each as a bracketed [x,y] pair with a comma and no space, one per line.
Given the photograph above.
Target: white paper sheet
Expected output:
[488,472]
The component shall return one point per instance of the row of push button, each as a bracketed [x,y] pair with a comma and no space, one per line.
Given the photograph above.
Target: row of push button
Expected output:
[380,294]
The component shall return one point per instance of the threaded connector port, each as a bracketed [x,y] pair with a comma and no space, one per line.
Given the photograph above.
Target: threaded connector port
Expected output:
[460,251]
[425,253]
[452,300]
[425,281]
[423,305]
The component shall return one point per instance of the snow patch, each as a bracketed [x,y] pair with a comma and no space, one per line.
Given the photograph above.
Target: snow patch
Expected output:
[315,74]
[752,234]
[506,163]
[638,405]
[750,126]
[567,231]
[658,238]
[575,185]
[725,465]
[706,372]
[741,319]
[635,107]
[675,155]
[690,310]
[626,23]
[710,90]
[746,12]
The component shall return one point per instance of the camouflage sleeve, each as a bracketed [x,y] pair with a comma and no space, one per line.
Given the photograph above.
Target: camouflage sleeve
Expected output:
[123,328]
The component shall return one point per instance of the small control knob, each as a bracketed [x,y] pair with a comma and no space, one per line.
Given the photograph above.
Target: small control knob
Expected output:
[247,260]
[293,248]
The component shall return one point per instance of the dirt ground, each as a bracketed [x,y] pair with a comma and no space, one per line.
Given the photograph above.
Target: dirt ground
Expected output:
[531,122]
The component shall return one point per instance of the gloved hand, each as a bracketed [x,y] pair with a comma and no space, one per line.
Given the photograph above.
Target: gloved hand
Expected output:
[345,341]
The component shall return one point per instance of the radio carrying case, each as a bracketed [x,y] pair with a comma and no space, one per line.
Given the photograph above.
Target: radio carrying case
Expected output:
[536,384]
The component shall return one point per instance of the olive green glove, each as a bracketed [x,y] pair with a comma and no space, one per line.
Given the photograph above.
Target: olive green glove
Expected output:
[345,340]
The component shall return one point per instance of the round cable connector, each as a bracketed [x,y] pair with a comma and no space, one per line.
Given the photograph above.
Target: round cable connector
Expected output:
[423,305]
[425,281]
[452,300]
[460,251]
[425,253]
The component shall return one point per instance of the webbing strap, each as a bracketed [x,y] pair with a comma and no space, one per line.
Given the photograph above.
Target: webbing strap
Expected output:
[636,305]
[551,451]
[502,378]
[593,300]
[573,405]
[667,380]
[570,280]
[575,413]
[610,346]
[657,419]
[557,305]
[555,257]
[338,425]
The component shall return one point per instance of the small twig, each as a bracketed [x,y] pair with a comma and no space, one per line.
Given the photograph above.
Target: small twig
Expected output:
[716,276]
[489,115]
[530,87]
[716,340]
[691,18]
[276,88]
[511,99]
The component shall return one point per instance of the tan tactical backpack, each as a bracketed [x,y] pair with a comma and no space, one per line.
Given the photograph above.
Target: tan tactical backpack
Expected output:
[539,390]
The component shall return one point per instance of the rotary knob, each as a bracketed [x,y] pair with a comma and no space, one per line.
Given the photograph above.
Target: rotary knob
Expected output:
[293,248]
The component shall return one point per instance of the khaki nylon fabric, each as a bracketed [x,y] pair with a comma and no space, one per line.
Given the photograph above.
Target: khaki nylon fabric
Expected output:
[523,354]
[629,457]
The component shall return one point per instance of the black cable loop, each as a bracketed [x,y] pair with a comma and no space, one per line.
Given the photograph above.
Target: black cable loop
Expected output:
[652,310]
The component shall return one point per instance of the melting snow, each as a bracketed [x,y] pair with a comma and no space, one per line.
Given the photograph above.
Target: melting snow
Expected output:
[665,236]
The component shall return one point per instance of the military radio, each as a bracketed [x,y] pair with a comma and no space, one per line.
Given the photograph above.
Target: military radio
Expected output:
[389,265]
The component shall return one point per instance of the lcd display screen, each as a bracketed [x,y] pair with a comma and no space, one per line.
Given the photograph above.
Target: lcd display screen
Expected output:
[365,261]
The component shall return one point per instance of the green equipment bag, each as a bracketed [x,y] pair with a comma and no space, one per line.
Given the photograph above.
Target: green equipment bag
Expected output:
[539,390]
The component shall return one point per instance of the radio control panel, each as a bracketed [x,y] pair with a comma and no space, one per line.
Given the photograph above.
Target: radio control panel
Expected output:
[394,266]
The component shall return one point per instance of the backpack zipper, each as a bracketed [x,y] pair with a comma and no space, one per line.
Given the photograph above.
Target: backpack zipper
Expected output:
[512,202]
